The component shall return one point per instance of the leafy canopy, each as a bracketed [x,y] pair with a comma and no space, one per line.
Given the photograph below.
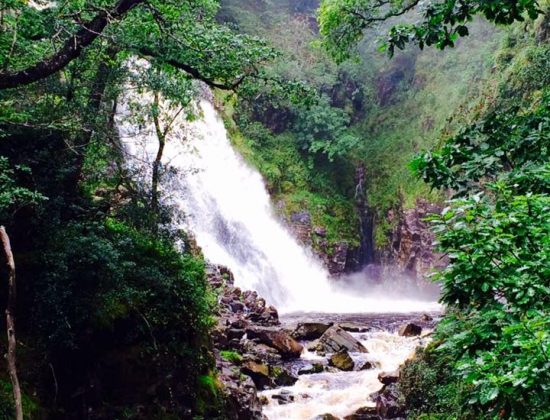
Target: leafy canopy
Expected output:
[442,22]
[496,234]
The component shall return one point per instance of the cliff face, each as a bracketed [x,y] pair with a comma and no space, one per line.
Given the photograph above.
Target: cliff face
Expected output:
[336,257]
[411,247]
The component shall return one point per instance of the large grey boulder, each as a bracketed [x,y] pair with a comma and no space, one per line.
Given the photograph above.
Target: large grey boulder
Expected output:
[310,330]
[410,330]
[335,339]
[285,345]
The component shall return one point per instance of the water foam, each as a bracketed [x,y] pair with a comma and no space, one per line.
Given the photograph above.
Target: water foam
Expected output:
[228,209]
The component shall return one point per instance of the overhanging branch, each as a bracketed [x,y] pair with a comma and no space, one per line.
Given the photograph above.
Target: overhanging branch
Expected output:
[70,50]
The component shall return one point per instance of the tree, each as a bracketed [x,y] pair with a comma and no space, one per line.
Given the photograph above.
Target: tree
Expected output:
[36,43]
[442,22]
[496,234]
[10,323]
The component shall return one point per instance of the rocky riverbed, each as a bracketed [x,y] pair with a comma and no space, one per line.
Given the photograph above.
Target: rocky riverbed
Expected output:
[306,366]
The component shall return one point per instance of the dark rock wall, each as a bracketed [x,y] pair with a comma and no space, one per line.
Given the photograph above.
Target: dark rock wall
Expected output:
[411,248]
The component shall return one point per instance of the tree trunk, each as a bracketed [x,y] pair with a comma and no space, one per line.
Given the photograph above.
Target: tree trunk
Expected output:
[10,323]
[161,134]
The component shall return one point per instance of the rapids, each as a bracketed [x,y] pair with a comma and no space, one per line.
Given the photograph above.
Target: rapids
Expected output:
[342,393]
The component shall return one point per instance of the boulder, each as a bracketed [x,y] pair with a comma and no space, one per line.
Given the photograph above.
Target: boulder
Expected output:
[410,330]
[310,369]
[364,413]
[367,366]
[387,406]
[388,378]
[335,339]
[285,345]
[426,318]
[312,346]
[354,328]
[259,373]
[242,401]
[342,361]
[282,377]
[284,397]
[326,416]
[310,330]
[261,352]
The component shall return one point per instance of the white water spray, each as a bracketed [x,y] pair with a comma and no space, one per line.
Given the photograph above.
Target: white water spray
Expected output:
[228,209]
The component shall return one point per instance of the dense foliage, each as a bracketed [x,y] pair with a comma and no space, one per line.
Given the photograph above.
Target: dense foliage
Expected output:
[113,314]
[343,23]
[493,347]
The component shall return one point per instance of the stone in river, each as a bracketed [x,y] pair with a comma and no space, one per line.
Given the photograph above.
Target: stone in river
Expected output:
[410,330]
[282,377]
[326,416]
[309,369]
[284,397]
[364,413]
[367,366]
[310,330]
[342,361]
[354,328]
[259,373]
[279,340]
[335,339]
[388,378]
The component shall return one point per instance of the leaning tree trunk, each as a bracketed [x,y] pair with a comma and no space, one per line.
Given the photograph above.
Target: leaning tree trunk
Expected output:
[10,323]
[155,179]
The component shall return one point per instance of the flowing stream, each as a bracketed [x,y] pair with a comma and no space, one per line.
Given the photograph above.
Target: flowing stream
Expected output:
[342,393]
[224,202]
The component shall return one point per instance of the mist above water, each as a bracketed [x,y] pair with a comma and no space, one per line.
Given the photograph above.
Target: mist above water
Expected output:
[228,209]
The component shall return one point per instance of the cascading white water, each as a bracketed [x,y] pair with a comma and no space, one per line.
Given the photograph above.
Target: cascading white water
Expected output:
[228,209]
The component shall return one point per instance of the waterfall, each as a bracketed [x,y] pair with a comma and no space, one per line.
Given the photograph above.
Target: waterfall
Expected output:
[227,207]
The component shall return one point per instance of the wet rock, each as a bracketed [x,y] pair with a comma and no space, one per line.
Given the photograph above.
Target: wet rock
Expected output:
[410,330]
[354,328]
[387,405]
[326,416]
[233,333]
[335,339]
[342,361]
[312,346]
[426,318]
[279,340]
[364,413]
[259,373]
[388,378]
[337,264]
[284,397]
[412,240]
[311,369]
[367,366]
[310,330]
[261,352]
[282,377]
[264,400]
[242,402]
[236,307]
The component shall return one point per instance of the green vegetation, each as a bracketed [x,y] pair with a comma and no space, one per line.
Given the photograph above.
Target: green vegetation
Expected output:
[372,112]
[231,356]
[491,354]
[113,308]
[113,314]
[343,22]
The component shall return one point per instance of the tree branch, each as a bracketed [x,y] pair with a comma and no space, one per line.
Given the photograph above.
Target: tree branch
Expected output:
[70,50]
[192,71]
